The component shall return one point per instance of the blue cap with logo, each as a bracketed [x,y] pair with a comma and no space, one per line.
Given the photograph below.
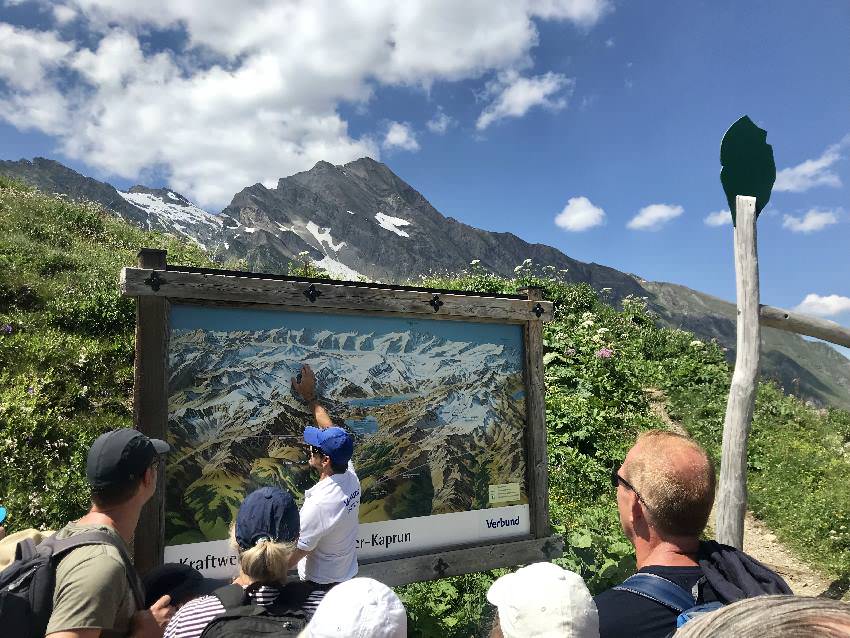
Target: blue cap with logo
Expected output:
[268,513]
[335,442]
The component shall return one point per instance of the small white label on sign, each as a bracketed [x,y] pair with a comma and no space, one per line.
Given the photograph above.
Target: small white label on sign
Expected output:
[504,493]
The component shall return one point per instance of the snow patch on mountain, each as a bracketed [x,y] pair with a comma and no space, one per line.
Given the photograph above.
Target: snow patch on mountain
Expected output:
[168,211]
[323,235]
[337,268]
[392,224]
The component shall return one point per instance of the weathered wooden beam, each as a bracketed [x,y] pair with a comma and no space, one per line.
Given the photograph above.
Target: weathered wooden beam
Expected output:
[732,491]
[157,283]
[150,406]
[537,468]
[804,325]
[463,561]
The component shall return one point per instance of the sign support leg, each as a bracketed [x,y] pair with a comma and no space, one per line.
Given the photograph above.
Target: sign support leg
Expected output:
[732,492]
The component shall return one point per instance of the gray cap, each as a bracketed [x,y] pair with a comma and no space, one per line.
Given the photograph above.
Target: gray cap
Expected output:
[121,456]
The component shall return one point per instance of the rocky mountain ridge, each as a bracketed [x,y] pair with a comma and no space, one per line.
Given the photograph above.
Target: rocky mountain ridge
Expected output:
[360,219]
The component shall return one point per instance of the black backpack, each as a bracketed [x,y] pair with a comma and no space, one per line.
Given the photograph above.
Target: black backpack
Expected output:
[246,619]
[26,586]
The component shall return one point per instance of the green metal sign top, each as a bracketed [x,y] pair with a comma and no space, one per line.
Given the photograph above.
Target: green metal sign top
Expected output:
[747,164]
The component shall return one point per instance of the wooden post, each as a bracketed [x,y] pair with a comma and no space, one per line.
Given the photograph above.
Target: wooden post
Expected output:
[732,492]
[150,406]
[537,470]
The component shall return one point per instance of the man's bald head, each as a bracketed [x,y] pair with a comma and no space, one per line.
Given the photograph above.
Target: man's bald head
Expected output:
[675,477]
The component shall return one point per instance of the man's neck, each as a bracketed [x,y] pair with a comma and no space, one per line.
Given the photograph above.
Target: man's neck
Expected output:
[122,519]
[679,553]
[325,474]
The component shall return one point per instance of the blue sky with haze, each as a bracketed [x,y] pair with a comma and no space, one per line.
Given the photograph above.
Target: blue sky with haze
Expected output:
[505,115]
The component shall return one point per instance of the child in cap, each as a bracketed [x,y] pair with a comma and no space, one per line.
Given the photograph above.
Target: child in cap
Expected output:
[263,537]
[543,601]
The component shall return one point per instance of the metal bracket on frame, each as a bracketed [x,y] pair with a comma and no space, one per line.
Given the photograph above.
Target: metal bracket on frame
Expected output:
[440,567]
[155,281]
[436,303]
[538,310]
[312,294]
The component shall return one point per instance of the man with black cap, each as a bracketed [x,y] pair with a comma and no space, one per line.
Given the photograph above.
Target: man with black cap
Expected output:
[96,590]
[327,545]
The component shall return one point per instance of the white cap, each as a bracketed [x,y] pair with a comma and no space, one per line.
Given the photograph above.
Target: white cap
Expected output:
[542,601]
[359,608]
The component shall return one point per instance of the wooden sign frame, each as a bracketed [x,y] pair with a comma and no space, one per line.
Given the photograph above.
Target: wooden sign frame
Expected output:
[155,284]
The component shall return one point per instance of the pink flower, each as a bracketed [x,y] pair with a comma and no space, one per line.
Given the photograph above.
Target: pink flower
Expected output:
[605,353]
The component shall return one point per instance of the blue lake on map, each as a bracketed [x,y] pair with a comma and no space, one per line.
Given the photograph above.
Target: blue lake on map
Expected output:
[366,425]
[377,402]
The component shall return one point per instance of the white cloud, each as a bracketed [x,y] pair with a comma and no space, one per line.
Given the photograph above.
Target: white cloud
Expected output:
[28,57]
[254,91]
[813,172]
[654,216]
[440,123]
[63,14]
[827,306]
[515,95]
[718,218]
[29,61]
[609,43]
[400,135]
[812,221]
[579,214]
[582,12]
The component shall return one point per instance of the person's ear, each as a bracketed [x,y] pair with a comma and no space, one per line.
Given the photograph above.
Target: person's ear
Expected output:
[636,508]
[150,475]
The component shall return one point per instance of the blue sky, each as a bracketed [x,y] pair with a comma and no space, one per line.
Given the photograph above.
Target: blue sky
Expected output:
[502,114]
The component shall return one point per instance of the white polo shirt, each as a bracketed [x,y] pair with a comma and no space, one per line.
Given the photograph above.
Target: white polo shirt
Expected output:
[329,524]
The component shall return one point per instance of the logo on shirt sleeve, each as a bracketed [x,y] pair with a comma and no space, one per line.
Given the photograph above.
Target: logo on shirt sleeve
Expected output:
[352,501]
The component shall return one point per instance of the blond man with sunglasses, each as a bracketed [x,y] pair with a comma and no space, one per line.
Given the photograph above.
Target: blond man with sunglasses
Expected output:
[665,491]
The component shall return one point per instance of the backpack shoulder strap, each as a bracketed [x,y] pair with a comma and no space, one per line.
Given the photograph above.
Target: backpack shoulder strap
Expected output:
[231,596]
[659,590]
[26,550]
[59,547]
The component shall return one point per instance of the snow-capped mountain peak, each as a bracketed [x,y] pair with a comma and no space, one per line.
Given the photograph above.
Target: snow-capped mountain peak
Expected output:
[170,212]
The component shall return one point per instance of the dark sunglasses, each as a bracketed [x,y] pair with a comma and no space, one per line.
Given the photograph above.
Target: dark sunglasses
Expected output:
[616,479]
[317,450]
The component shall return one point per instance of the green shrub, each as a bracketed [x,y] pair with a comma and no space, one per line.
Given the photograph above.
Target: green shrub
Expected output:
[96,312]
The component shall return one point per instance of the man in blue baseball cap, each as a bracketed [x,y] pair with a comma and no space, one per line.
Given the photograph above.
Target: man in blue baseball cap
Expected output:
[326,551]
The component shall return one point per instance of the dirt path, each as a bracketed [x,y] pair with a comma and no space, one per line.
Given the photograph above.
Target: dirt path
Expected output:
[759,541]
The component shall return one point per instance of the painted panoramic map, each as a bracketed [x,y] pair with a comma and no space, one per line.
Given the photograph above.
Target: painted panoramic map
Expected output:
[437,409]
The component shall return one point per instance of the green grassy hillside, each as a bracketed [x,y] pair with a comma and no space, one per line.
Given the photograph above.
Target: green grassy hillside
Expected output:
[66,345]
[66,351]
